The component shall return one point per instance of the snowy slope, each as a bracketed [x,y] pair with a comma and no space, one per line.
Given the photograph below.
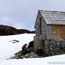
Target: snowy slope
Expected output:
[8,49]
[55,60]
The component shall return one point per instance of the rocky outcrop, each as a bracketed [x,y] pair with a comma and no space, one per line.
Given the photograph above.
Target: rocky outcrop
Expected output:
[28,55]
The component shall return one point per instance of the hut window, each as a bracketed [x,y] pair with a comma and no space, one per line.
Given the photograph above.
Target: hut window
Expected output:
[40,20]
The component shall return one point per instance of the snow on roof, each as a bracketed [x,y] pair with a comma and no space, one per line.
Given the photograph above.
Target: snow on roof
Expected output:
[54,17]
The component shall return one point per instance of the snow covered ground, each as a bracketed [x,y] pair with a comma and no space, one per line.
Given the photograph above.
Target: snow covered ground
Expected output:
[55,60]
[8,49]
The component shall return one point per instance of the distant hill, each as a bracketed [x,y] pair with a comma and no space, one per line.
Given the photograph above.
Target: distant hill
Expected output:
[8,30]
[19,31]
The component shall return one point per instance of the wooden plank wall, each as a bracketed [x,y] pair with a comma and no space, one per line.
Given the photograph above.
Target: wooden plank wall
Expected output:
[58,31]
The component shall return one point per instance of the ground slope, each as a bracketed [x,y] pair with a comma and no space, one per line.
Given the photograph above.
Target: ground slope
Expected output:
[8,48]
[9,45]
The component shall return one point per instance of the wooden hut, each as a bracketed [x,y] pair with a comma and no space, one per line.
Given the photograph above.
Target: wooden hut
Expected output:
[49,25]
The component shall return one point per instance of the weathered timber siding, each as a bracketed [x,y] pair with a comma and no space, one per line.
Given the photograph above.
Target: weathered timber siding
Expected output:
[49,32]
[37,27]
[37,24]
[58,31]
[46,29]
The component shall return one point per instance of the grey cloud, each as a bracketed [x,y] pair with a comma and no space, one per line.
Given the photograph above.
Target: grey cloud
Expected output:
[22,13]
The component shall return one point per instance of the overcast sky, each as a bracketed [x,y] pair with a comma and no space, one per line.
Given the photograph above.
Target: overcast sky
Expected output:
[22,13]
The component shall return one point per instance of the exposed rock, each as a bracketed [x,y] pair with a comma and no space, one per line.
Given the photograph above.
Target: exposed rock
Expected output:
[27,56]
[14,57]
[30,54]
[14,41]
[33,55]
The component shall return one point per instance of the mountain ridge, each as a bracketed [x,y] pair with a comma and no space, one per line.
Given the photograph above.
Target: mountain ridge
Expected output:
[9,30]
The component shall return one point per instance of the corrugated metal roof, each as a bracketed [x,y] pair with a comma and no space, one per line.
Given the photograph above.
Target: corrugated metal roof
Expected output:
[54,17]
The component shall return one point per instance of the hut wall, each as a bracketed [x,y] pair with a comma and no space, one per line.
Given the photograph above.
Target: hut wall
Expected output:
[58,31]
